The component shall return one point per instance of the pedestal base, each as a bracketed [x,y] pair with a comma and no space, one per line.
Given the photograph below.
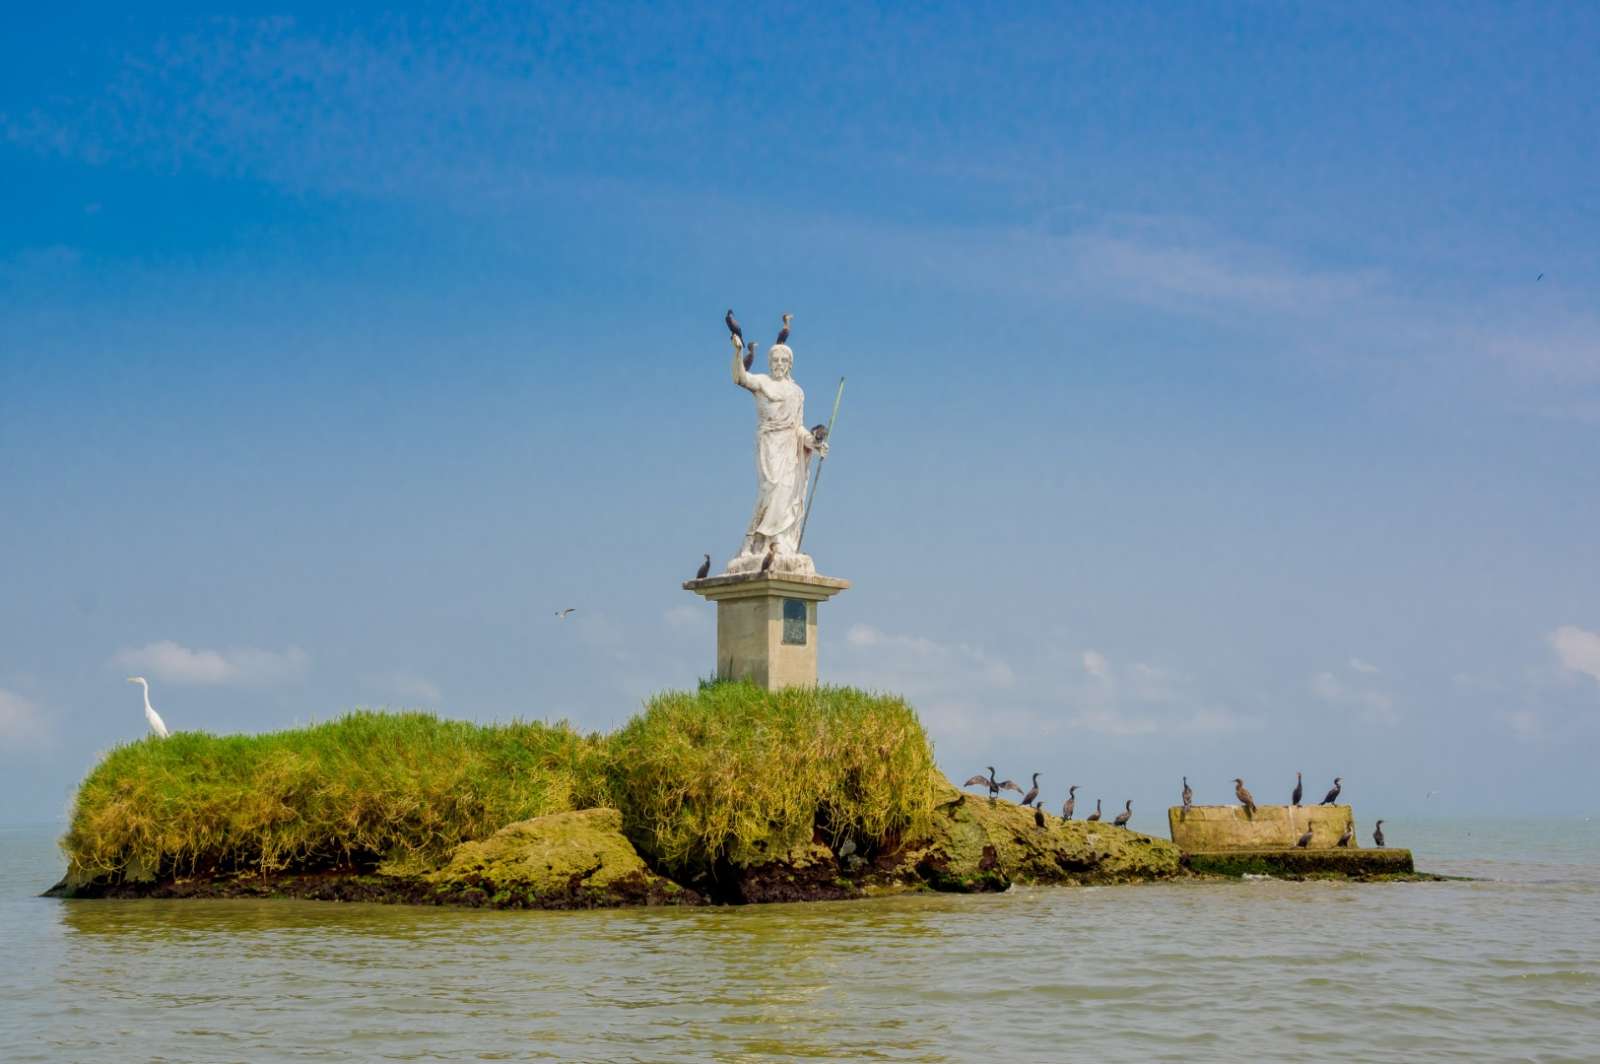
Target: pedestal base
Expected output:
[767,625]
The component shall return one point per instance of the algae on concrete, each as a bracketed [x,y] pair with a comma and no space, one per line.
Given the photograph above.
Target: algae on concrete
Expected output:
[573,860]
[1294,862]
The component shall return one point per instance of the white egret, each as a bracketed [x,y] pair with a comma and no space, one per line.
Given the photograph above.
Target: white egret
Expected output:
[156,724]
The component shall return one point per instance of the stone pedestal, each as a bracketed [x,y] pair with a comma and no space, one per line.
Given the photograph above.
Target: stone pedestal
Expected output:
[767,625]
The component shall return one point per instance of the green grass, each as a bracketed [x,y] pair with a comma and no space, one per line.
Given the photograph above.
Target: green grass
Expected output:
[729,773]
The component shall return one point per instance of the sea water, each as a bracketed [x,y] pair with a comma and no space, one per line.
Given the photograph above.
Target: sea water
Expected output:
[1505,967]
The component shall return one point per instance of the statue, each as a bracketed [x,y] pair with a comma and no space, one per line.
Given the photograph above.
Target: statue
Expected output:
[784,447]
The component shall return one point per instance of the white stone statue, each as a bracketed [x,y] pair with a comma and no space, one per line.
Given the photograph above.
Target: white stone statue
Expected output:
[784,447]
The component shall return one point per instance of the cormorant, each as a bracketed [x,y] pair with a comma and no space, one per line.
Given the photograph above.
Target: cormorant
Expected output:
[819,432]
[1188,794]
[1027,799]
[1305,840]
[1126,815]
[772,553]
[1333,795]
[989,782]
[1038,816]
[1245,800]
[1299,790]
[1377,834]
[1344,840]
[704,570]
[750,354]
[733,325]
[783,333]
[1096,814]
[1071,803]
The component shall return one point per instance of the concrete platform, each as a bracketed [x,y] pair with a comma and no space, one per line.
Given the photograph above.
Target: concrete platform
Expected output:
[1357,864]
[1208,828]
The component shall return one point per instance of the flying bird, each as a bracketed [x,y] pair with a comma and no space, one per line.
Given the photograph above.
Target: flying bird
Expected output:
[157,725]
[1027,799]
[733,326]
[1305,840]
[1126,815]
[1299,790]
[1096,814]
[989,782]
[1071,803]
[783,333]
[750,354]
[1243,795]
[1377,834]
[1333,795]
[772,553]
[562,614]
[1344,840]
[1188,794]
[1539,278]
[704,570]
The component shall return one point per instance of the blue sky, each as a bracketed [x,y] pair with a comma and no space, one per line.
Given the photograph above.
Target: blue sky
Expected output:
[1206,413]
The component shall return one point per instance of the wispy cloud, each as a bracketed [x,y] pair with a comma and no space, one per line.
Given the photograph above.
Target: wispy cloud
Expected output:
[241,667]
[1578,650]
[21,722]
[1360,696]
[414,689]
[1357,665]
[1143,699]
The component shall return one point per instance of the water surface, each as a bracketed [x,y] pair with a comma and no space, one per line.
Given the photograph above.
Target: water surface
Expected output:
[1507,967]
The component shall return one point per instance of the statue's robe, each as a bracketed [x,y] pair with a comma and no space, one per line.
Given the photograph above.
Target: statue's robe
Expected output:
[782,464]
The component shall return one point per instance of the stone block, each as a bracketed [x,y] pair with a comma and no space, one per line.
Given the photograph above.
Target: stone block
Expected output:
[1212,828]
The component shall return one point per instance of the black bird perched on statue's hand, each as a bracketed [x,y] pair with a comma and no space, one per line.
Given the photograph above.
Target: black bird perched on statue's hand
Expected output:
[704,570]
[1188,795]
[819,432]
[783,333]
[1027,799]
[733,326]
[1305,840]
[1071,803]
[1344,840]
[1243,795]
[1124,816]
[750,354]
[1038,815]
[1096,814]
[989,782]
[1333,795]
[1299,790]
[1377,834]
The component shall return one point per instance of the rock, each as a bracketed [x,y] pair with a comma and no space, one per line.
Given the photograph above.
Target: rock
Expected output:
[576,860]
[979,845]
[806,873]
[1295,863]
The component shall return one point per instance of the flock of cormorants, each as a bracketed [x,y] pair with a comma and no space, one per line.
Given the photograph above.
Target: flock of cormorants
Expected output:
[1030,797]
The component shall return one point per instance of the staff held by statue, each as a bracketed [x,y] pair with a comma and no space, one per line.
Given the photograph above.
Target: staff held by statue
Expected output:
[825,435]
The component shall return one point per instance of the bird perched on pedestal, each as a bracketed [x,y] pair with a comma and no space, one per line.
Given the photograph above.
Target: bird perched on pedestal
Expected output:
[1188,795]
[733,326]
[704,570]
[1243,795]
[1071,803]
[1126,815]
[783,333]
[989,782]
[1305,840]
[1096,814]
[772,554]
[1344,840]
[1333,795]
[1027,799]
[1377,834]
[153,718]
[1299,790]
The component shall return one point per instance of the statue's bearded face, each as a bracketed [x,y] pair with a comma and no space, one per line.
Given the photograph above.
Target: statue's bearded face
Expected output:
[780,364]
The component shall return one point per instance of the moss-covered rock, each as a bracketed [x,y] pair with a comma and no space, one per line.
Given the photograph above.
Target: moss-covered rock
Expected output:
[981,845]
[1294,862]
[575,860]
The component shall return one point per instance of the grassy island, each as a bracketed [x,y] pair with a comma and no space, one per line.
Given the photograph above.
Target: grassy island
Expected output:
[729,793]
